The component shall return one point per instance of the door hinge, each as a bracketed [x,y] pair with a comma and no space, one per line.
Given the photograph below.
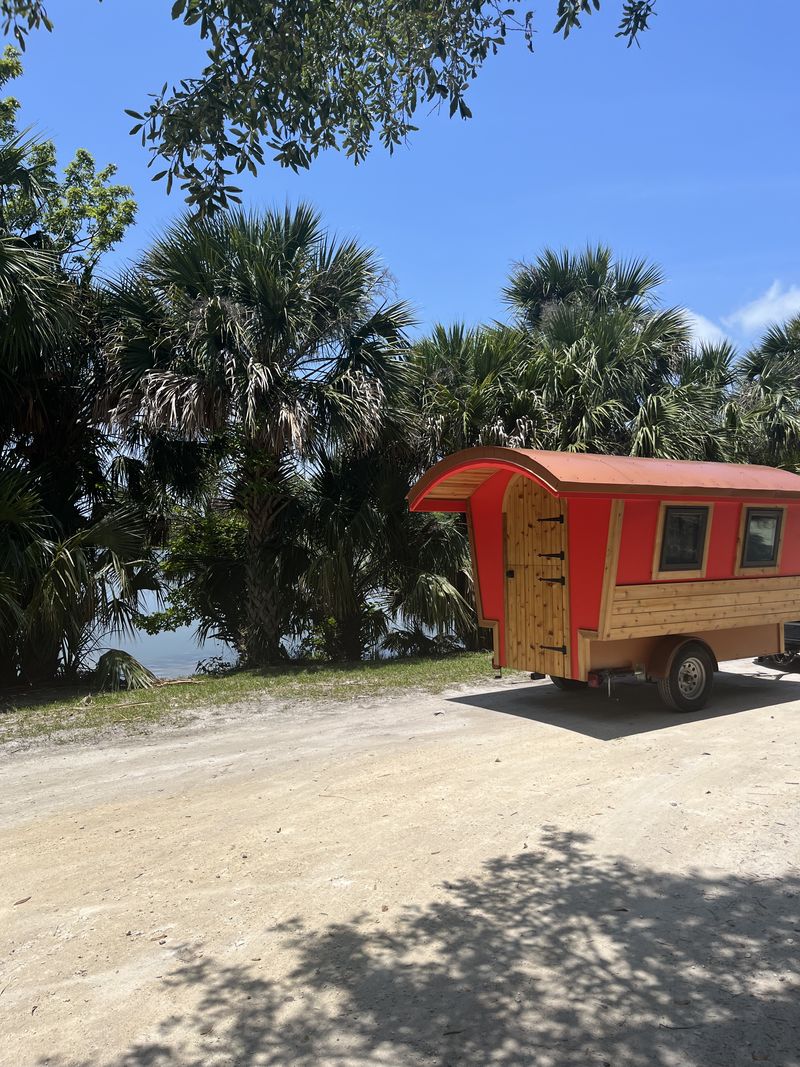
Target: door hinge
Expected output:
[509,574]
[554,648]
[551,555]
[552,518]
[554,581]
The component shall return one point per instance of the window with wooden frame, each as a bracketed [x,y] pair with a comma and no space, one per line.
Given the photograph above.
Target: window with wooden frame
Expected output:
[681,548]
[760,540]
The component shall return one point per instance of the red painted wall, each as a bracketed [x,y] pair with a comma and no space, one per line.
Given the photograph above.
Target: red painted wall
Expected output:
[790,554]
[588,533]
[639,534]
[638,538]
[722,542]
[486,510]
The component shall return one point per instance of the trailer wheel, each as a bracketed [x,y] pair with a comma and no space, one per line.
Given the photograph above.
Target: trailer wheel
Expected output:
[687,686]
[566,683]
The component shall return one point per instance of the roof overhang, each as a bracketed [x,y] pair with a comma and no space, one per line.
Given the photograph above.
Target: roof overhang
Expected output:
[449,485]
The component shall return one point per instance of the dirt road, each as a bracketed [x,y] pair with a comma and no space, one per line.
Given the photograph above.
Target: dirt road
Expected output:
[511,876]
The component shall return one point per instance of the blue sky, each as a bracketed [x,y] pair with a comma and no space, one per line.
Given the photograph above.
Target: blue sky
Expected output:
[685,151]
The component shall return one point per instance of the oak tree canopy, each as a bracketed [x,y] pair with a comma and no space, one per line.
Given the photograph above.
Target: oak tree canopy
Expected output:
[290,78]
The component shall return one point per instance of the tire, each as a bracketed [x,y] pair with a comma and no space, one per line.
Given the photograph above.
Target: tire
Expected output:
[688,685]
[566,683]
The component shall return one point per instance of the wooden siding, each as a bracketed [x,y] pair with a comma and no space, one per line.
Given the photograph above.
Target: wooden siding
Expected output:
[535,608]
[461,486]
[632,652]
[613,542]
[689,607]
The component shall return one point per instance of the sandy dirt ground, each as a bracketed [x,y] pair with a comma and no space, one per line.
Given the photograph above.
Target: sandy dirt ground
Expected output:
[507,876]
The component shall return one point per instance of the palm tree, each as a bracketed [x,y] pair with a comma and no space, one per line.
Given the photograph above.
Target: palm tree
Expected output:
[370,565]
[616,372]
[62,596]
[343,528]
[591,278]
[73,557]
[768,393]
[612,381]
[263,330]
[468,391]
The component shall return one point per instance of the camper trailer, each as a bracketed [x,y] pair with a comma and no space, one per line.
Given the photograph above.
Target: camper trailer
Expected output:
[589,566]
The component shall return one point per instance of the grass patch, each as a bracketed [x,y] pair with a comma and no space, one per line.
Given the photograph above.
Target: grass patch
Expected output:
[49,712]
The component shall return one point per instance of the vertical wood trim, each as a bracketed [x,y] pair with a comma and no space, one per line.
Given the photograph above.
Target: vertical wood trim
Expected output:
[585,638]
[567,591]
[610,569]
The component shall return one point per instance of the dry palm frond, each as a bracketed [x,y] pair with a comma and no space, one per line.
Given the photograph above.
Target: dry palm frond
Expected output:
[117,669]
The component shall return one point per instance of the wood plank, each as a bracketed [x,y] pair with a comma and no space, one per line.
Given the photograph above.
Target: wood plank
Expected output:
[701,603]
[551,594]
[610,588]
[687,610]
[696,626]
[726,585]
[535,610]
[676,621]
[461,484]
[541,544]
[567,592]
[506,594]
[585,639]
[536,622]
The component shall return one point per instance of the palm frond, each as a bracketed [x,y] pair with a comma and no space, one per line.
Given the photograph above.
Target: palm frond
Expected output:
[117,669]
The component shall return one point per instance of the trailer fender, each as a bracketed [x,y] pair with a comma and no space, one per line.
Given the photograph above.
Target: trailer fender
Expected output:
[660,661]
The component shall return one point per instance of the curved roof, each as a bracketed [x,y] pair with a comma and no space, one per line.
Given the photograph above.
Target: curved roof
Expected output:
[449,485]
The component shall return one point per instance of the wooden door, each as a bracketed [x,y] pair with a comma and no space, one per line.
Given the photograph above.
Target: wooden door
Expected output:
[536,578]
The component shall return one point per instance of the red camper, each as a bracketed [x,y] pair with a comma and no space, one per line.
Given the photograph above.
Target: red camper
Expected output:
[586,566]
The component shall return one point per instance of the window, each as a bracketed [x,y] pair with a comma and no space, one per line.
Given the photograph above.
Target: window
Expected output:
[683,539]
[762,537]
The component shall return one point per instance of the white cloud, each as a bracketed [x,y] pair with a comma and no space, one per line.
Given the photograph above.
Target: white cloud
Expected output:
[776,305]
[704,330]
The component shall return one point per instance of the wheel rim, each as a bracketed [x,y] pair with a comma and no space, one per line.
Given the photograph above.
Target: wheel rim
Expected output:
[691,677]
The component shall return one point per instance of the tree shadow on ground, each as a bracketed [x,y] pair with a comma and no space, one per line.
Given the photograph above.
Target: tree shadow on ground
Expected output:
[550,957]
[634,707]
